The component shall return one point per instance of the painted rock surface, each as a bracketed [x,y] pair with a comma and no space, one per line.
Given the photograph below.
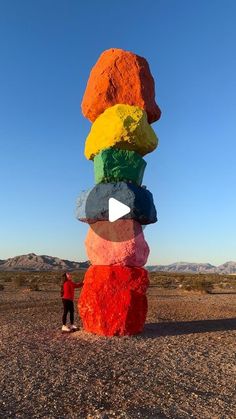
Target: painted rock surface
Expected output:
[113,300]
[120,77]
[121,126]
[114,250]
[93,205]
[114,165]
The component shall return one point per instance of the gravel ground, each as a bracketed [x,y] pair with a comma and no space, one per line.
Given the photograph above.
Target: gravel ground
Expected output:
[182,366]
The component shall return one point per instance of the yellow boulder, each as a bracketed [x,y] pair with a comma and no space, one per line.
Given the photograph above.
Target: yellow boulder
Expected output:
[121,126]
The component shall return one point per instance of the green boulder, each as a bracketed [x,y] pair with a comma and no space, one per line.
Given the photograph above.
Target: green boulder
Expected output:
[116,165]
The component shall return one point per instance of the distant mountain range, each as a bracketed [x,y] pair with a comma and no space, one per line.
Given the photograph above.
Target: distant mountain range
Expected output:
[33,262]
[185,267]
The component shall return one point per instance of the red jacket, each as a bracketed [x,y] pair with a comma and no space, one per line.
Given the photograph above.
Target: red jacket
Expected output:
[69,289]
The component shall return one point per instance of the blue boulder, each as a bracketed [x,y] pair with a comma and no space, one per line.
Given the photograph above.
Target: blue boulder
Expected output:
[92,205]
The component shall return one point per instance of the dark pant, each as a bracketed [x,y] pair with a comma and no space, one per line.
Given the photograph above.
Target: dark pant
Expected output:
[68,307]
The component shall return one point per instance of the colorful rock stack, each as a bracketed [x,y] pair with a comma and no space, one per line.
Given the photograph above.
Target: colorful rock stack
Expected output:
[120,101]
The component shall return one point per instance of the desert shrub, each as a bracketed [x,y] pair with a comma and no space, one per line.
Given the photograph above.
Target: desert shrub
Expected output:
[223,285]
[7,280]
[1,287]
[198,284]
[34,286]
[19,281]
[192,281]
[163,280]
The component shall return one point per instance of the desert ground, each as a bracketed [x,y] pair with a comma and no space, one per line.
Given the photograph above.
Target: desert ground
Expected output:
[182,366]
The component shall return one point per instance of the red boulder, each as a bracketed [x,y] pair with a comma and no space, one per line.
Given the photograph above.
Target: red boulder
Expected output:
[120,77]
[113,300]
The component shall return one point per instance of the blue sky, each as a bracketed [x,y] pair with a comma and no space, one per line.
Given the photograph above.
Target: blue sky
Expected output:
[47,49]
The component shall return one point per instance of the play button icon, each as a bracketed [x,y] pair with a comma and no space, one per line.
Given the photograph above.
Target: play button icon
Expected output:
[117,209]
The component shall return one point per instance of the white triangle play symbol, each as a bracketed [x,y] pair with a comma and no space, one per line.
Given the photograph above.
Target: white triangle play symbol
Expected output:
[117,209]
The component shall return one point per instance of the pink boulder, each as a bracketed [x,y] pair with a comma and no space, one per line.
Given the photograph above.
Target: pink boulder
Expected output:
[118,243]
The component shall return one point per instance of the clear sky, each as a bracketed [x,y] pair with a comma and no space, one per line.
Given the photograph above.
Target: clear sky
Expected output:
[47,49]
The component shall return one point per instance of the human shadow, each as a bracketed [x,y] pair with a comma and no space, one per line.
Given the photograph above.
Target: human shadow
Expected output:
[153,330]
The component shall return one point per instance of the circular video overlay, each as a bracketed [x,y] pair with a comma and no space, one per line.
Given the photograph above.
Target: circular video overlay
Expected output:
[118,212]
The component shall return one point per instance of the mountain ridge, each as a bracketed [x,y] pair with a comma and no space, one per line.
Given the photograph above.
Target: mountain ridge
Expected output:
[191,267]
[33,262]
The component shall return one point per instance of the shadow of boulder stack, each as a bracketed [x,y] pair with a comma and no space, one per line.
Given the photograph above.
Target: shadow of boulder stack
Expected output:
[152,330]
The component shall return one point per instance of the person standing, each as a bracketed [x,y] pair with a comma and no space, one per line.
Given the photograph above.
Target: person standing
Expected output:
[67,294]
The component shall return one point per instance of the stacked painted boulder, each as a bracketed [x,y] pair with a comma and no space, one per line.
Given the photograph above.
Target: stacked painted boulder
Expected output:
[120,101]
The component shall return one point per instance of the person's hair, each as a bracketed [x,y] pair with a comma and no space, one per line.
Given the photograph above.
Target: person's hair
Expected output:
[64,279]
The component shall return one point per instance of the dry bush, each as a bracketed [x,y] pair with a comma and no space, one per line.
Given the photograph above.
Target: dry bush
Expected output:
[34,286]
[163,280]
[198,284]
[190,281]
[19,281]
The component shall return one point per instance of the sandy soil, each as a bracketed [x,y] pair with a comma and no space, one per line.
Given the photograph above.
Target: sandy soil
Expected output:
[182,366]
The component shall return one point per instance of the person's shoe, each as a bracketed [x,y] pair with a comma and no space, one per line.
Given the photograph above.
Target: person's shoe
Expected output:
[65,328]
[73,327]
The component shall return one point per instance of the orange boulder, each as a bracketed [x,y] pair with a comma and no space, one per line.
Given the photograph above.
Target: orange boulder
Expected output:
[113,300]
[120,77]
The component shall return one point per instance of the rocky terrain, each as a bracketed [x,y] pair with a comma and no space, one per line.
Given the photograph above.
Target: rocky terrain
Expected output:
[182,366]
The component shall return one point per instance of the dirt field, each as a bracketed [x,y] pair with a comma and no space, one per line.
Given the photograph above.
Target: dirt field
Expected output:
[182,366]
